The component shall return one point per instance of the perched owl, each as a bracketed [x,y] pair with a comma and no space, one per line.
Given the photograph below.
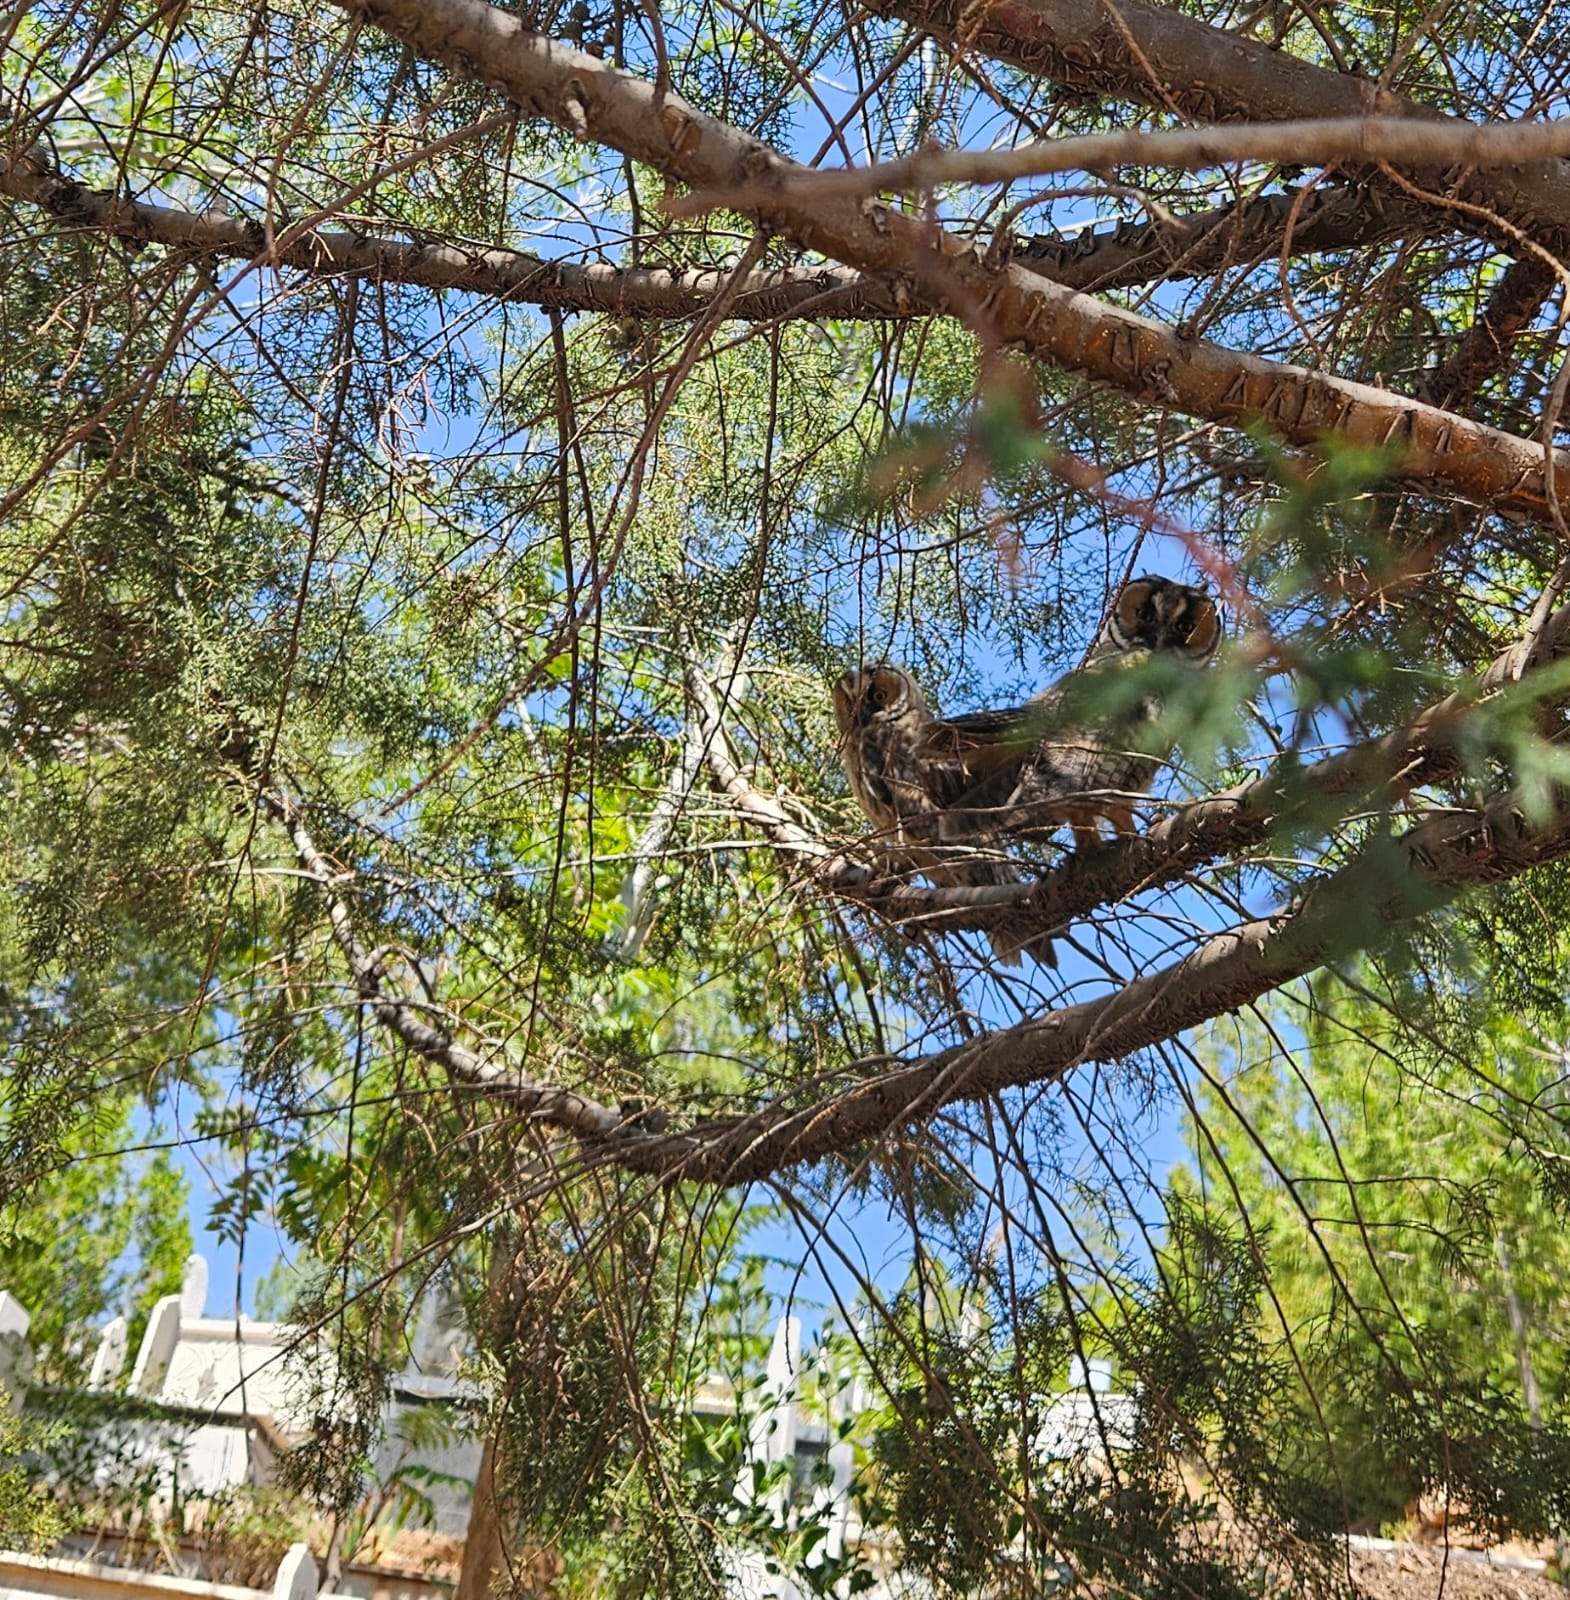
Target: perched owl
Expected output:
[1031,768]
[884,722]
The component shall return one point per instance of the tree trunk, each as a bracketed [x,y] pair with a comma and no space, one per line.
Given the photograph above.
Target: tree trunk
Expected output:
[482,1545]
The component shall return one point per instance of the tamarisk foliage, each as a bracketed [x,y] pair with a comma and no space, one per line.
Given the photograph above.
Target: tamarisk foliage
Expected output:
[447,454]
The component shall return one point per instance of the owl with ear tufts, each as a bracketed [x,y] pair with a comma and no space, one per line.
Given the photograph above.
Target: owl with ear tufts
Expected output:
[1034,767]
[884,722]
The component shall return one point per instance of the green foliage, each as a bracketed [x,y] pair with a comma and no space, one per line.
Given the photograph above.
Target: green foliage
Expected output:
[30,1518]
[1413,1253]
[439,566]
[105,1233]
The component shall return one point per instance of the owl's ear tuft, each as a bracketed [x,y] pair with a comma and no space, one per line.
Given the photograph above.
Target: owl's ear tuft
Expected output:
[847,697]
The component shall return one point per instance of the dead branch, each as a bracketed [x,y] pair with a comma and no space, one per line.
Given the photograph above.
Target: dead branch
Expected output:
[1136,354]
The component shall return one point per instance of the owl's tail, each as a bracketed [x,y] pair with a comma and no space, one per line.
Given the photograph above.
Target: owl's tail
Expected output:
[1016,937]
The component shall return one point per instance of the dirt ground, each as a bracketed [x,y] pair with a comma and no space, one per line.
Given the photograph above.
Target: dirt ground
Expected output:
[1424,1573]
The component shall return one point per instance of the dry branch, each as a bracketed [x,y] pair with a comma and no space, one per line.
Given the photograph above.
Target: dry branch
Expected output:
[1401,141]
[1136,354]
[1157,57]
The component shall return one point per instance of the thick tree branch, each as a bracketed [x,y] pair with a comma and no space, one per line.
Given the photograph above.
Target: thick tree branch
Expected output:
[512,275]
[1330,217]
[1142,357]
[1389,883]
[1483,351]
[1333,217]
[1156,56]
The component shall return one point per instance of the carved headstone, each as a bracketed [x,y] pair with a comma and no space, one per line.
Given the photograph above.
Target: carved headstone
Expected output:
[14,1316]
[16,1355]
[158,1342]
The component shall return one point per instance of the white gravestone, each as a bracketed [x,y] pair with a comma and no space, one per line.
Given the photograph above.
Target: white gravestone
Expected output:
[109,1358]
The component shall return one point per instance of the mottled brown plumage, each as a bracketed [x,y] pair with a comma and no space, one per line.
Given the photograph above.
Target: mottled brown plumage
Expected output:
[1030,768]
[884,722]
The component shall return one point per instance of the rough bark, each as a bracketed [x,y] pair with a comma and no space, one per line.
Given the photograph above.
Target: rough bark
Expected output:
[1483,351]
[1155,56]
[1331,217]
[1335,217]
[1136,354]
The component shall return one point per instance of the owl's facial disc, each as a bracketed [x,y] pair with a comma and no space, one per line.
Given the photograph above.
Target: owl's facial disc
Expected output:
[885,689]
[1160,614]
[1204,630]
[865,692]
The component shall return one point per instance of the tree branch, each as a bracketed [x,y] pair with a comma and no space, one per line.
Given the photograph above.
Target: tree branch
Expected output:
[1382,772]
[1401,141]
[1389,883]
[1483,350]
[546,1103]
[1329,217]
[511,275]
[1140,356]
[1332,217]
[1156,56]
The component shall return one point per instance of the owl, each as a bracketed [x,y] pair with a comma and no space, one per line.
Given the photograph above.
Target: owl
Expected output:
[885,722]
[1031,768]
